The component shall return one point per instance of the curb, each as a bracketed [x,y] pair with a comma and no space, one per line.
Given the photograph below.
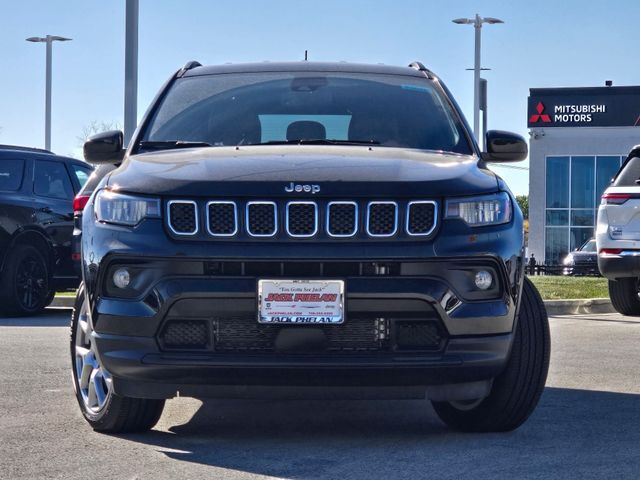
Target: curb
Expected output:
[572,307]
[62,301]
[554,307]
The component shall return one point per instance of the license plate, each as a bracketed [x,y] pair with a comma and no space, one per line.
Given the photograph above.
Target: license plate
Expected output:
[301,301]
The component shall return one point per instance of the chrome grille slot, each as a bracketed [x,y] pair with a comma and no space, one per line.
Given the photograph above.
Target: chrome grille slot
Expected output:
[421,217]
[302,219]
[382,219]
[342,219]
[262,219]
[222,218]
[183,217]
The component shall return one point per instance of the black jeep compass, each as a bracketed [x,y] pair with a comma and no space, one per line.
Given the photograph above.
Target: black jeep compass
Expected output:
[306,229]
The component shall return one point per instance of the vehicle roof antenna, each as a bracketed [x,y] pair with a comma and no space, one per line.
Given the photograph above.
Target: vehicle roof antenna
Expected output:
[306,55]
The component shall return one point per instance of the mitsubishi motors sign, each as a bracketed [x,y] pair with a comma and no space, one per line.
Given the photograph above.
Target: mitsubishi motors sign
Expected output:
[584,107]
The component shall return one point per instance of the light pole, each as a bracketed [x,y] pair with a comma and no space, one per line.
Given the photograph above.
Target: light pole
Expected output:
[477,24]
[49,39]
[130,70]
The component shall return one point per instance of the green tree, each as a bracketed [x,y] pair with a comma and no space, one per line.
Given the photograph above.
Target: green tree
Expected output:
[523,202]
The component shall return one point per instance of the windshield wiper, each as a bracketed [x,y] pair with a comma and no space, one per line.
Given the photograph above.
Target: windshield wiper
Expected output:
[169,144]
[318,141]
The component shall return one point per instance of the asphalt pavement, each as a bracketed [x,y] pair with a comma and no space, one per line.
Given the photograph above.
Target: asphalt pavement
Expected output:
[587,424]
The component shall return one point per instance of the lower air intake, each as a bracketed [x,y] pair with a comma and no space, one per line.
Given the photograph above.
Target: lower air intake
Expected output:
[185,334]
[417,335]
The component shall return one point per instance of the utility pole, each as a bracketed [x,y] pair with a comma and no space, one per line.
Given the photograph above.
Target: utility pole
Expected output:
[131,70]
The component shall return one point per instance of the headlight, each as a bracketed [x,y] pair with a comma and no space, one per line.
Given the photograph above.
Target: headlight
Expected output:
[479,211]
[568,260]
[121,209]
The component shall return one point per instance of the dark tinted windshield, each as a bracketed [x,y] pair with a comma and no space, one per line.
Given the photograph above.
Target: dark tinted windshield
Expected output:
[589,246]
[250,109]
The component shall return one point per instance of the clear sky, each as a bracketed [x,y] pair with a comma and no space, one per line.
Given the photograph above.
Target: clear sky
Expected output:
[542,44]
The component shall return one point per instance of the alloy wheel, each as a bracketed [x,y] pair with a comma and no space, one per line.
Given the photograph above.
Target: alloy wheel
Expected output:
[31,283]
[94,382]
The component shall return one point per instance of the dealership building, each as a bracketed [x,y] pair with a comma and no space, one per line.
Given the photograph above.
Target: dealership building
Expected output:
[578,139]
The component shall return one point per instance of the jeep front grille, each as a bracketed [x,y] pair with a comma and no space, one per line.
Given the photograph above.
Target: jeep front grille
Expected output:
[382,219]
[262,219]
[342,219]
[421,218]
[222,218]
[303,219]
[183,217]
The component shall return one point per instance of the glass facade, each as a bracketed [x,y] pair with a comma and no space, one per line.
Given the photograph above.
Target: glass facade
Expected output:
[574,187]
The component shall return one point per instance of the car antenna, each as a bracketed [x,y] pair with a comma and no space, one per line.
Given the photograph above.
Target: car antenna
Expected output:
[306,55]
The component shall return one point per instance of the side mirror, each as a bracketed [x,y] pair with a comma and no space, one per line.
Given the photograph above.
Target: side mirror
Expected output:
[504,147]
[105,147]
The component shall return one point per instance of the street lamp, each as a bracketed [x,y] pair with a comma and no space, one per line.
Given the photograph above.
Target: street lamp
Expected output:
[49,39]
[477,24]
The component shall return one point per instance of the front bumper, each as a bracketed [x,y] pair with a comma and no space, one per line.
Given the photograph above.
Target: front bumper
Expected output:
[139,370]
[473,344]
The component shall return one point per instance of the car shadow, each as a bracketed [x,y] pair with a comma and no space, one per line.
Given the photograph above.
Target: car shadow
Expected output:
[572,434]
[50,317]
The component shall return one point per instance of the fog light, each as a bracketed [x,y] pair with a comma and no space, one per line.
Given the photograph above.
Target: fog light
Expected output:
[483,279]
[121,278]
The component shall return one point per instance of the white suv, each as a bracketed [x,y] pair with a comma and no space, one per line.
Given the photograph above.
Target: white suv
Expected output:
[618,236]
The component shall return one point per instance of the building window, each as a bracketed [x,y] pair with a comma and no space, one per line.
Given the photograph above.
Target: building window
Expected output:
[582,182]
[579,236]
[574,185]
[556,244]
[606,168]
[557,181]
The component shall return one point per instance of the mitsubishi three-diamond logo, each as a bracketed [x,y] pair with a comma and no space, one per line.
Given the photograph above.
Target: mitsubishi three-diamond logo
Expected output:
[537,117]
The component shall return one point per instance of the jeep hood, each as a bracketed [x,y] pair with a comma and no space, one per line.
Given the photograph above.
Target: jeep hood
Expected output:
[344,171]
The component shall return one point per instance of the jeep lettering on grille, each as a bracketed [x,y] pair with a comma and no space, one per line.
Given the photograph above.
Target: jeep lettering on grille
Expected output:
[299,188]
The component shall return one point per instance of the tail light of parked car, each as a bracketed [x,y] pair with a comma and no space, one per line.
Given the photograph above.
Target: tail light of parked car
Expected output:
[79,202]
[615,198]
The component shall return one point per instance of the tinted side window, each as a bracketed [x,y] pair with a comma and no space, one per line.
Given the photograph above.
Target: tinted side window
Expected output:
[51,180]
[11,174]
[81,173]
[96,177]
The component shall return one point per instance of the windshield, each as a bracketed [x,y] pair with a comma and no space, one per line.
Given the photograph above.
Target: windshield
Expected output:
[294,107]
[590,246]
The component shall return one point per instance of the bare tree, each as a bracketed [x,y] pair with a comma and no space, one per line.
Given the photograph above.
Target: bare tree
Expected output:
[96,127]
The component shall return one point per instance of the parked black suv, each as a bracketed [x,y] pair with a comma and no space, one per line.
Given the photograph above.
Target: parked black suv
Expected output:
[36,221]
[306,229]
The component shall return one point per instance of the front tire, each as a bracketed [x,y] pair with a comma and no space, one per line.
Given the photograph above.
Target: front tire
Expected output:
[516,391]
[624,296]
[100,405]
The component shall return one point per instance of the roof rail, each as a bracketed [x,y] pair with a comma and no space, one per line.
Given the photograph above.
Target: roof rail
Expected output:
[420,67]
[25,149]
[188,66]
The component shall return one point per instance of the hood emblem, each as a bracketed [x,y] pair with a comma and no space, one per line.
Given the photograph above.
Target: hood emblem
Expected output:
[299,188]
